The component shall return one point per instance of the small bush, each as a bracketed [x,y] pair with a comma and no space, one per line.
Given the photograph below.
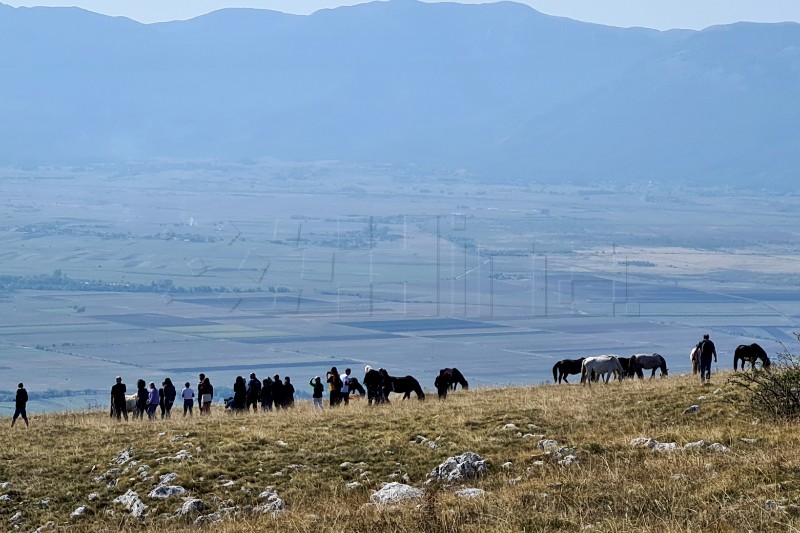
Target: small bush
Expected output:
[774,392]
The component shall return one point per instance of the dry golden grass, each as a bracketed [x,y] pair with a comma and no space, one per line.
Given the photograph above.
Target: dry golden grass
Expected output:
[614,487]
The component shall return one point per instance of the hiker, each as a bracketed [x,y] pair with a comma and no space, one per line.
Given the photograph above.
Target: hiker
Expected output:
[334,386]
[239,394]
[141,399]
[344,392]
[153,400]
[20,402]
[118,403]
[266,395]
[288,392]
[202,378]
[169,398]
[208,396]
[319,388]
[188,399]
[707,351]
[253,392]
[277,392]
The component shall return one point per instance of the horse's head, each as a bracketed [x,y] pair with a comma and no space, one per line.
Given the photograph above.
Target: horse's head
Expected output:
[767,362]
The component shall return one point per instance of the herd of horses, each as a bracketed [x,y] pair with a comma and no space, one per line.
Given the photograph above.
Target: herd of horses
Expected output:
[603,367]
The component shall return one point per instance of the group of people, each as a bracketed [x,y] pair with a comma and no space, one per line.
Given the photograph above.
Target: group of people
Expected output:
[266,394]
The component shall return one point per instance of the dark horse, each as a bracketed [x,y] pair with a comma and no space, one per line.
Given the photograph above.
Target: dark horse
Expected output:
[749,353]
[565,367]
[625,363]
[449,378]
[402,385]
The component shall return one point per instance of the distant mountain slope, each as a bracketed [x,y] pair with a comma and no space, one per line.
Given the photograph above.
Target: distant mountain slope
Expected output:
[498,89]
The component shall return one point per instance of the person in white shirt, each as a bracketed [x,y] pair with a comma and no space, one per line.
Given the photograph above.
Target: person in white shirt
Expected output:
[188,399]
[345,392]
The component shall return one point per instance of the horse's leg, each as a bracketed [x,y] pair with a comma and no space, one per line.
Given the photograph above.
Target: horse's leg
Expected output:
[653,374]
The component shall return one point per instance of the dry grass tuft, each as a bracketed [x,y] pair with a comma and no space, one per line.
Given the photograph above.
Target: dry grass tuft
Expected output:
[613,487]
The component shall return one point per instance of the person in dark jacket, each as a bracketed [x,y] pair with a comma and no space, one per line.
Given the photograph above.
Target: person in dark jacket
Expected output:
[319,388]
[168,397]
[334,386]
[202,378]
[239,394]
[288,392]
[118,402]
[141,399]
[277,391]
[207,397]
[707,351]
[253,392]
[20,404]
[266,395]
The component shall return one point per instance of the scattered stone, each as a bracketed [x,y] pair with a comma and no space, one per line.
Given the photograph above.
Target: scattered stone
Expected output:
[229,484]
[470,493]
[162,434]
[749,441]
[93,496]
[365,474]
[717,447]
[507,465]
[49,526]
[459,468]
[131,501]
[162,492]
[183,454]
[167,478]
[281,443]
[273,502]
[191,506]
[701,398]
[569,460]
[692,445]
[395,492]
[665,447]
[353,485]
[510,427]
[346,464]
[563,452]
[296,467]
[17,517]
[80,511]
[718,391]
[279,473]
[678,476]
[691,409]
[432,445]
[548,445]
[124,456]
[644,442]
[44,502]
[772,504]
[5,498]
[513,481]
[206,519]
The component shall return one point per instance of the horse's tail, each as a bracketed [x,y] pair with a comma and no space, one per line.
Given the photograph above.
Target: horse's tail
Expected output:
[583,372]
[618,369]
[417,389]
[555,372]
[736,356]
[693,357]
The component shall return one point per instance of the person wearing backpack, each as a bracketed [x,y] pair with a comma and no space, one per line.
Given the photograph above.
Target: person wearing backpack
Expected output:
[707,351]
[334,386]
[253,392]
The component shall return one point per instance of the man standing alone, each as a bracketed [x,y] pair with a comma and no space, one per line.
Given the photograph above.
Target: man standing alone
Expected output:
[707,351]
[118,391]
[21,402]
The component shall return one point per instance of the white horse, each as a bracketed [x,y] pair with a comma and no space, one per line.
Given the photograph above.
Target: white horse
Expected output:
[601,365]
[642,361]
[694,357]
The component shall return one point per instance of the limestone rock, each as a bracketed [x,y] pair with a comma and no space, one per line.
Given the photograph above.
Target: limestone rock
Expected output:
[395,492]
[717,447]
[131,501]
[162,492]
[459,468]
[470,493]
[692,445]
[644,442]
[353,485]
[80,511]
[665,447]
[691,409]
[191,506]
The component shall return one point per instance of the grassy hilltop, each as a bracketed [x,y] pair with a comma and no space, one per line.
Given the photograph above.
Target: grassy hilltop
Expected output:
[614,486]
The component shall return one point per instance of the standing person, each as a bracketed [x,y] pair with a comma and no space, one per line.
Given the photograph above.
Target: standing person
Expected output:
[253,392]
[319,388]
[118,402]
[373,381]
[288,392]
[344,393]
[169,397]
[277,392]
[208,396]
[334,386]
[202,378]
[188,398]
[266,395]
[161,405]
[141,399]
[20,403]
[153,401]
[707,350]
[239,394]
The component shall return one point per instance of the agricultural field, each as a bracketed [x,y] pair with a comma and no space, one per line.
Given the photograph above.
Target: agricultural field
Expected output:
[149,271]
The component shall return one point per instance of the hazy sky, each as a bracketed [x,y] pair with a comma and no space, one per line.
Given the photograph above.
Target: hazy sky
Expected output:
[661,14]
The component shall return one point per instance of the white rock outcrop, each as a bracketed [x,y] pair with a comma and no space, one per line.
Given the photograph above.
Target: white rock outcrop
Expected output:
[394,492]
[468,465]
[131,501]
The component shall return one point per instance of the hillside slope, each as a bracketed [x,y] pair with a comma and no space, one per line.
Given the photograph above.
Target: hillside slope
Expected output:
[309,458]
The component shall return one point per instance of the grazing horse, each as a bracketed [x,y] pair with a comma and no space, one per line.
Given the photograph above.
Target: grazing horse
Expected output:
[694,357]
[625,363]
[454,377]
[602,365]
[402,385]
[566,367]
[750,353]
[643,361]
